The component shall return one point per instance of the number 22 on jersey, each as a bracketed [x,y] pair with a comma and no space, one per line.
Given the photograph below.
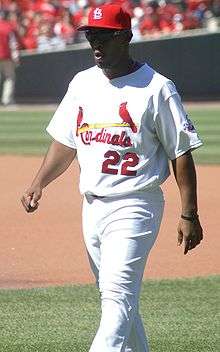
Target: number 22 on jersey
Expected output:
[113,158]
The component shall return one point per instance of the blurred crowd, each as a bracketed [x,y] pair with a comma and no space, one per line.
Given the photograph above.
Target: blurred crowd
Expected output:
[48,25]
[51,24]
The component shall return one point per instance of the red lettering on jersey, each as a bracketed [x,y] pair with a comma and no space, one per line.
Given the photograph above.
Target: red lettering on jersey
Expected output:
[98,136]
[115,139]
[102,137]
[86,137]
[108,138]
[126,117]
[127,142]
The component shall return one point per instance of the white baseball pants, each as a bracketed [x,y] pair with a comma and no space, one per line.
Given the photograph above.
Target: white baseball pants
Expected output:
[119,233]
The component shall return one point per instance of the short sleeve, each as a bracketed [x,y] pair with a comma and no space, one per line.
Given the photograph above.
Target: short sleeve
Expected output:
[174,128]
[62,125]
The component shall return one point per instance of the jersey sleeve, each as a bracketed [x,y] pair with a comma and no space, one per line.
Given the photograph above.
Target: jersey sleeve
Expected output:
[62,126]
[173,126]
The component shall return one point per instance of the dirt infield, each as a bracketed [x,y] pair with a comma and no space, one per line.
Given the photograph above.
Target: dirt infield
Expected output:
[46,248]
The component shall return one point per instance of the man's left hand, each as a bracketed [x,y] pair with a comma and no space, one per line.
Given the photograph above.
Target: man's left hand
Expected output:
[189,233]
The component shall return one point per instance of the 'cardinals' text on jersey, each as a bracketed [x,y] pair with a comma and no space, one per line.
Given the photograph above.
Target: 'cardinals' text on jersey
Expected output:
[125,130]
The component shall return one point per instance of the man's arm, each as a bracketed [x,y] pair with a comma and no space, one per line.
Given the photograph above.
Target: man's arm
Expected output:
[57,160]
[189,229]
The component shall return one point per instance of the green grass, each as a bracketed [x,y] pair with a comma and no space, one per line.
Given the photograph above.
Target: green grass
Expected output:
[207,122]
[180,315]
[23,132]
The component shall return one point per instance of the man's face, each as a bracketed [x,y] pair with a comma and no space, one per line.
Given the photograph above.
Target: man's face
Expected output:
[109,46]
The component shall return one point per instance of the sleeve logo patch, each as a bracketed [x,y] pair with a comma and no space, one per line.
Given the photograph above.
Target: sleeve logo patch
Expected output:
[188,125]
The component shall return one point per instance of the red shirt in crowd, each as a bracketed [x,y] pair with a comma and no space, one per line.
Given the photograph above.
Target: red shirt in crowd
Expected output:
[6,30]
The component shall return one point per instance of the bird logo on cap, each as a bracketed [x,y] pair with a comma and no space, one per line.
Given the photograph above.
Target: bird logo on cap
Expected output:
[97,13]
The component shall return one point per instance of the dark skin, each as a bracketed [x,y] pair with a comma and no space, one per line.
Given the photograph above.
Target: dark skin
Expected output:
[112,56]
[189,233]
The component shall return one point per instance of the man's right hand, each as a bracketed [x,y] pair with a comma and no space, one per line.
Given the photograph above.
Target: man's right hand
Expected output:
[56,161]
[30,199]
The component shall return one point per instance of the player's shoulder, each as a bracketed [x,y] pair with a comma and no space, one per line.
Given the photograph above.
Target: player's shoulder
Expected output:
[89,72]
[160,83]
[84,76]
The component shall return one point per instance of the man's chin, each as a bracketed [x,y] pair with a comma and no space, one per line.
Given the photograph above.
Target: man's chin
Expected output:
[102,64]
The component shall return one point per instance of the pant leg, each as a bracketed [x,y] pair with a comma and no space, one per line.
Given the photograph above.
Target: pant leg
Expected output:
[91,234]
[128,233]
[137,341]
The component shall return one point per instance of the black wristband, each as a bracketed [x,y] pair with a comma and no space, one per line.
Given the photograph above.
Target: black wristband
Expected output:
[191,218]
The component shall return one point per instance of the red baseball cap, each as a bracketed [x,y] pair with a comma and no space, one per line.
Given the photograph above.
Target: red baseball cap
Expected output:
[111,16]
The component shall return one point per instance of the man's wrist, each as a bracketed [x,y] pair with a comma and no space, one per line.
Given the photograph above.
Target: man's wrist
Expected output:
[192,217]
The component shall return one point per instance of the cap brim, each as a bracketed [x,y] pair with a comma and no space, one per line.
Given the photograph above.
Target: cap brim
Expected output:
[86,27]
[83,28]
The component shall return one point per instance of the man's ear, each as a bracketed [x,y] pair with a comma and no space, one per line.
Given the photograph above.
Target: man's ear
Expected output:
[128,36]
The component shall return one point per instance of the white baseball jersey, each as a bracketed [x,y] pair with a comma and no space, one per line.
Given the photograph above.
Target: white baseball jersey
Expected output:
[125,129]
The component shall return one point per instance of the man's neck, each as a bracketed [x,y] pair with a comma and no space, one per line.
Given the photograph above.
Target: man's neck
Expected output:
[123,69]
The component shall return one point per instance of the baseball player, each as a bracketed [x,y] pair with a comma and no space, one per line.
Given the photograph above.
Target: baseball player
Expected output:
[9,58]
[124,121]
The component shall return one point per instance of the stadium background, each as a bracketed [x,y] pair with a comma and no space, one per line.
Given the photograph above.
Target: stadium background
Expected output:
[180,294]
